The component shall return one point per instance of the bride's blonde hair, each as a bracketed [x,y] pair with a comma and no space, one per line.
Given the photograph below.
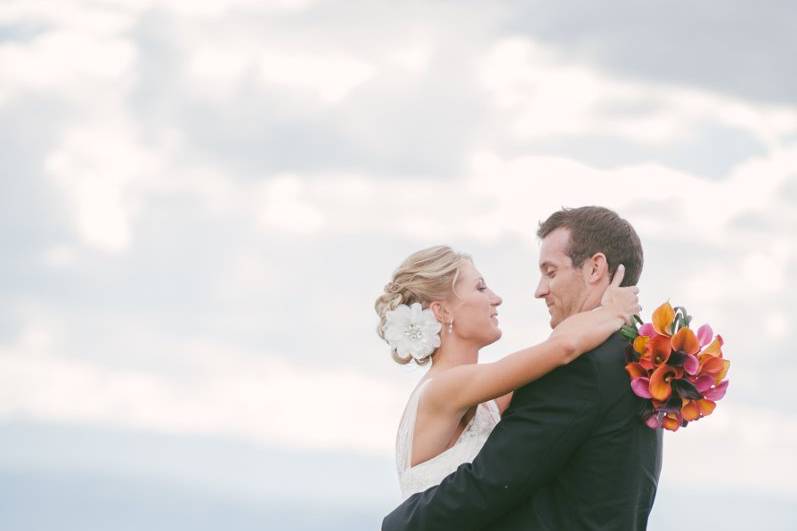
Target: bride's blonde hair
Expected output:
[425,276]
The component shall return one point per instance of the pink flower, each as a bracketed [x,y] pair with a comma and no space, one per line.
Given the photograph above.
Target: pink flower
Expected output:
[705,334]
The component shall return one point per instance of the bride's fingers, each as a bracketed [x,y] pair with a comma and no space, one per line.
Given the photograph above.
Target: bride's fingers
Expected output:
[617,279]
[632,294]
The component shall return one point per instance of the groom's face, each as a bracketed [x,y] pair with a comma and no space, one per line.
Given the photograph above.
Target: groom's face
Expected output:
[561,286]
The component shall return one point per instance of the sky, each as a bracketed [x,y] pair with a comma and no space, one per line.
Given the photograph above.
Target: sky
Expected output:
[201,202]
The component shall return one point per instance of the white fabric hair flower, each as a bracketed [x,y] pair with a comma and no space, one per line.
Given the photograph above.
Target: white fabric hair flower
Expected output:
[412,330]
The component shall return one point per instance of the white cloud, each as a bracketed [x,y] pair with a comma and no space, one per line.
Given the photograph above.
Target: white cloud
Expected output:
[265,399]
[109,17]
[243,395]
[247,276]
[777,325]
[48,65]
[61,256]
[737,446]
[285,208]
[114,16]
[309,70]
[541,94]
[758,271]
[97,166]
[414,57]
[215,71]
[329,76]
[506,196]
[217,8]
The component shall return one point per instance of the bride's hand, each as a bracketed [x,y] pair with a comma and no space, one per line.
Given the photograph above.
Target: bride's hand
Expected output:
[623,302]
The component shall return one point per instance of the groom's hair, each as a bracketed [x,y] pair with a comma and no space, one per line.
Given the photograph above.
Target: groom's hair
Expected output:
[595,229]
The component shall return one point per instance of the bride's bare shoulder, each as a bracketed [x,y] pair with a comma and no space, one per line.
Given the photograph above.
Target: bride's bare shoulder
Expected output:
[440,389]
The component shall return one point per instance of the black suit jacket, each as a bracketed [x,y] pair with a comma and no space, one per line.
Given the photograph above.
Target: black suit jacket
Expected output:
[571,453]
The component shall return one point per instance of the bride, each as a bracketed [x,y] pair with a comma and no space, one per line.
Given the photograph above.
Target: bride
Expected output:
[438,309]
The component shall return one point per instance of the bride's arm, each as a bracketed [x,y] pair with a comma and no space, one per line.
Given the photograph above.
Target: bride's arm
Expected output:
[462,387]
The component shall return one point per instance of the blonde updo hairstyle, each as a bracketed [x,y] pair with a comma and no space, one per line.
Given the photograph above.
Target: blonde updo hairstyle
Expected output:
[425,276]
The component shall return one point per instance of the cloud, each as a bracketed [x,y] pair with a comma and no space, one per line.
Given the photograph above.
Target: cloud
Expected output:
[45,63]
[328,76]
[284,209]
[219,69]
[745,53]
[253,397]
[95,166]
[505,196]
[756,444]
[265,93]
[543,94]
[268,400]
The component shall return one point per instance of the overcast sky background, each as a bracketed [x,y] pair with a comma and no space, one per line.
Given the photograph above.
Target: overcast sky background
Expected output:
[201,200]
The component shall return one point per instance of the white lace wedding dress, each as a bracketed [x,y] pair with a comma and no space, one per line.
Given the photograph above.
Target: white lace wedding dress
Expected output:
[420,477]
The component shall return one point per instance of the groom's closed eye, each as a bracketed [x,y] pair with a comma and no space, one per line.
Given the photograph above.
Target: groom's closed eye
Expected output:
[548,269]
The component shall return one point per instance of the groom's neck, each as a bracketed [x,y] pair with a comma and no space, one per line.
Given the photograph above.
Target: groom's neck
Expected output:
[592,300]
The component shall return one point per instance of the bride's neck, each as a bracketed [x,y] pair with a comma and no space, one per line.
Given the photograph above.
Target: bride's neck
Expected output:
[454,352]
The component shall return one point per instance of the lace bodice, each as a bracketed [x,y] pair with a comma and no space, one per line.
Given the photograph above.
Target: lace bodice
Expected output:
[430,473]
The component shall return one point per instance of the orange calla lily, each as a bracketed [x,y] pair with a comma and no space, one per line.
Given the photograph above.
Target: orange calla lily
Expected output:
[717,368]
[662,319]
[686,341]
[660,387]
[696,409]
[641,344]
[726,364]
[658,350]
[705,359]
[635,370]
[706,407]
[671,422]
[714,348]
[690,410]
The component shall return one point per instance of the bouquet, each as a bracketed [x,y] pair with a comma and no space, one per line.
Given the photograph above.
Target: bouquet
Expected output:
[680,373]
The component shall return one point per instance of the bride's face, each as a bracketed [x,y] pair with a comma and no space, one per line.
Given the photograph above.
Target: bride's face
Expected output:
[474,307]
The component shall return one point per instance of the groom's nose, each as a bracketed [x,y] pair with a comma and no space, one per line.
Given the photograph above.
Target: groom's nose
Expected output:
[542,289]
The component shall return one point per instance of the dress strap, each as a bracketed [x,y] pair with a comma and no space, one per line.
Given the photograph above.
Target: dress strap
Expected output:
[406,429]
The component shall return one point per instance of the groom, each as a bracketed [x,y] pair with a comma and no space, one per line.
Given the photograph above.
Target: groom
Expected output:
[571,452]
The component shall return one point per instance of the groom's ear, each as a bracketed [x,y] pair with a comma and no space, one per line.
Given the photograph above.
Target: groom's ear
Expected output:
[596,269]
